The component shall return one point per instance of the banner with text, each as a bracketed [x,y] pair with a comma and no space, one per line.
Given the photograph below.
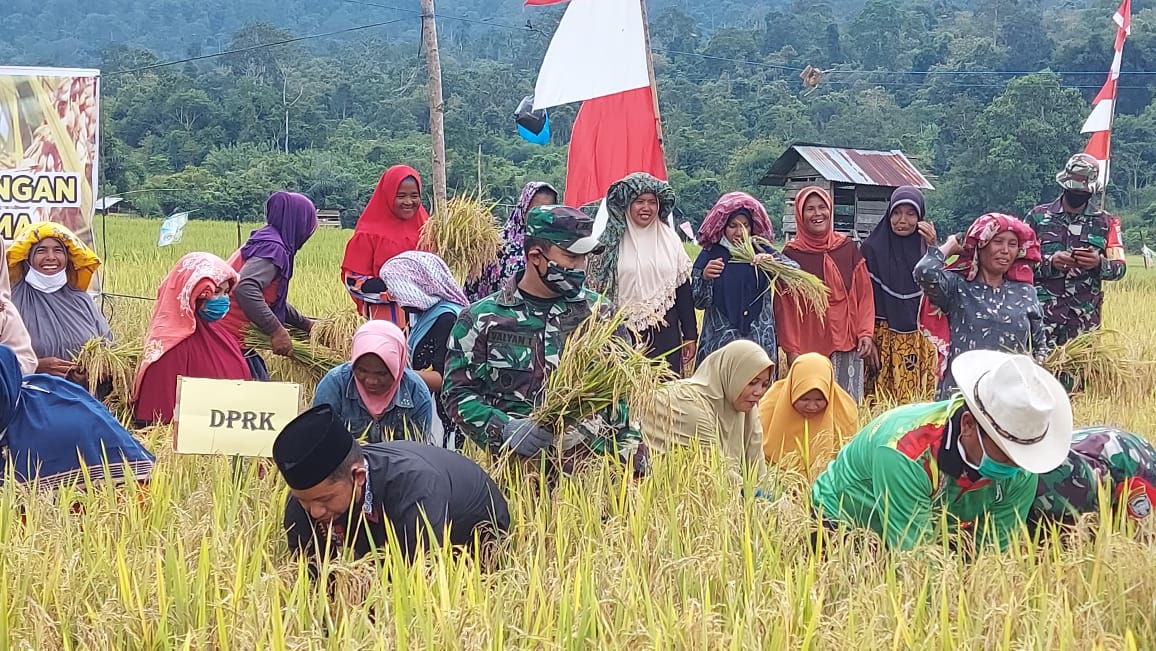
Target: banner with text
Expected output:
[49,139]
[231,417]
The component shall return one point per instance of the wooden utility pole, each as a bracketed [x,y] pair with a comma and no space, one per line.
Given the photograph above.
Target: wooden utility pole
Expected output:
[437,107]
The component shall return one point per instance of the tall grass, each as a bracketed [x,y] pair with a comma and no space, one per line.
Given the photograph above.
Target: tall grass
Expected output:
[681,560]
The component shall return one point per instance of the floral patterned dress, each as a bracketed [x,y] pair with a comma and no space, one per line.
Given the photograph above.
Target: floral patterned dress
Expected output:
[981,317]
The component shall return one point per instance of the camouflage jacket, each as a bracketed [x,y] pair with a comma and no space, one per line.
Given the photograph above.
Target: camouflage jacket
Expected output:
[1072,299]
[501,351]
[1100,457]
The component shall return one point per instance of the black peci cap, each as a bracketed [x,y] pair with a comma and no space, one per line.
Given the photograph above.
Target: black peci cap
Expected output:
[311,447]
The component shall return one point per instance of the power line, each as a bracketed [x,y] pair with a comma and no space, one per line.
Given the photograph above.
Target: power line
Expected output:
[528,27]
[250,48]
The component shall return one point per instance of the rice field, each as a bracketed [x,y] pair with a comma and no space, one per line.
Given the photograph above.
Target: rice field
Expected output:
[682,560]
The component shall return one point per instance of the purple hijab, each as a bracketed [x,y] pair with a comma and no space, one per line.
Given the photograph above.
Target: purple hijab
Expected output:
[891,262]
[290,220]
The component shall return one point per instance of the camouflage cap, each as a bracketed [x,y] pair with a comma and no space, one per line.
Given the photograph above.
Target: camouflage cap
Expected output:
[563,226]
[1081,173]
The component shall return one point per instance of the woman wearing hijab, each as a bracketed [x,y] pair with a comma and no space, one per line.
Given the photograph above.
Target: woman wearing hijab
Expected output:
[512,259]
[51,270]
[645,270]
[844,333]
[985,299]
[390,224]
[716,407]
[265,267]
[806,416]
[13,334]
[376,395]
[422,284]
[907,360]
[54,432]
[185,337]
[736,299]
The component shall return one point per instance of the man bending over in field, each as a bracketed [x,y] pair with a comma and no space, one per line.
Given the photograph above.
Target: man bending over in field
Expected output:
[503,348]
[346,494]
[974,456]
[1119,463]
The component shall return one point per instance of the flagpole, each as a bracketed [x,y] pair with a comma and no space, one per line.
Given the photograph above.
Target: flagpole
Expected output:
[650,71]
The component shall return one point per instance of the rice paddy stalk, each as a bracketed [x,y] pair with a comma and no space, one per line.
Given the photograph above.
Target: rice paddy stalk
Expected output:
[1097,362]
[117,364]
[316,360]
[335,332]
[464,234]
[807,289]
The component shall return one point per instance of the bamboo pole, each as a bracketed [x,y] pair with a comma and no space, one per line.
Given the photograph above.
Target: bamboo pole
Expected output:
[650,70]
[437,107]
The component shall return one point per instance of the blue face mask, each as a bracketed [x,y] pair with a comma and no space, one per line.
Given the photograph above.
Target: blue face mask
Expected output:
[215,308]
[990,468]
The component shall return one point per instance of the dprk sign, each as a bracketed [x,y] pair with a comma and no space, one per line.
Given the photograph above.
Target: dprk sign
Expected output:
[231,417]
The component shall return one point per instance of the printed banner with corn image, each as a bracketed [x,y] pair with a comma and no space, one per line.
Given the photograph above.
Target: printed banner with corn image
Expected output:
[49,139]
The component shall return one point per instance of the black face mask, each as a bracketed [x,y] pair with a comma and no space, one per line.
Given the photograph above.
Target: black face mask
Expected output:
[1076,198]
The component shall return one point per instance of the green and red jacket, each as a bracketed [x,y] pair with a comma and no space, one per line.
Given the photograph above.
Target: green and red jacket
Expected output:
[903,471]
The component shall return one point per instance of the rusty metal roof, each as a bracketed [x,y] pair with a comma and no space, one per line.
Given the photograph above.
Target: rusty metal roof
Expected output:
[859,166]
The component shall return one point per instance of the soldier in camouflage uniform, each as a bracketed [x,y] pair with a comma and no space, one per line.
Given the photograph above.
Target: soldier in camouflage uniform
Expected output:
[503,348]
[1102,458]
[1081,248]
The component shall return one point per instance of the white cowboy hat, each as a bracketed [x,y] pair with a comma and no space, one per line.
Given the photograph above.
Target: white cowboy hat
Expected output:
[1019,405]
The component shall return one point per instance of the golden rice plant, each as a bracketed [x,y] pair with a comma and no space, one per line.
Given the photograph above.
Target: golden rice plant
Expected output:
[599,369]
[464,234]
[806,288]
[315,359]
[336,331]
[116,363]
[1097,362]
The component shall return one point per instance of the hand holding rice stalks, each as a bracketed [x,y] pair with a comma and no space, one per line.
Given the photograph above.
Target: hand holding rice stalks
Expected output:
[599,369]
[315,359]
[98,362]
[1096,362]
[807,290]
[464,234]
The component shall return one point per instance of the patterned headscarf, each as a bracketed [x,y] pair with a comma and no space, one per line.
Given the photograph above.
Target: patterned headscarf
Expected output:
[195,277]
[715,224]
[980,234]
[420,280]
[604,269]
[932,320]
[512,258]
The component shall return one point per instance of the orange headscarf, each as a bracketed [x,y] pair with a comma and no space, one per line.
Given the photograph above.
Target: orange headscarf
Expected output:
[196,276]
[786,431]
[805,242]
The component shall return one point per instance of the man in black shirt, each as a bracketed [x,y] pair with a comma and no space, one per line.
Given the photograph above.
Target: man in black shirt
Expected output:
[346,494]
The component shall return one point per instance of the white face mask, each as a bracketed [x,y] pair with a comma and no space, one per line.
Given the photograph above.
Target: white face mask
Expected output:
[45,283]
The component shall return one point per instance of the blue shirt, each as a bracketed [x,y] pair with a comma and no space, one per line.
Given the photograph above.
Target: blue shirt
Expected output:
[408,415]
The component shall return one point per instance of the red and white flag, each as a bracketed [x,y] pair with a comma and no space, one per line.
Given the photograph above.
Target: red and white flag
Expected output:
[598,57]
[1099,123]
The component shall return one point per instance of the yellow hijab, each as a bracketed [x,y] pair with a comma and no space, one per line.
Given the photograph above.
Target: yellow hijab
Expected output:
[84,260]
[700,410]
[786,431]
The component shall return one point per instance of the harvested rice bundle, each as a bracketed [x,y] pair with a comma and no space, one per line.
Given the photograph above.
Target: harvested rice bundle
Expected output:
[464,234]
[598,369]
[1096,362]
[336,331]
[98,362]
[314,358]
[805,288]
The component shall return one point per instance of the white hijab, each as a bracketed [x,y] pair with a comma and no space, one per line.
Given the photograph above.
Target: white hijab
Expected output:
[652,264]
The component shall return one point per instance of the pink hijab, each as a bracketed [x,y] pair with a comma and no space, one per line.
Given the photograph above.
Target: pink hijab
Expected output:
[387,341]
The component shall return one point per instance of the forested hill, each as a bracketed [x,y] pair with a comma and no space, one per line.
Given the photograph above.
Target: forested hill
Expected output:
[986,95]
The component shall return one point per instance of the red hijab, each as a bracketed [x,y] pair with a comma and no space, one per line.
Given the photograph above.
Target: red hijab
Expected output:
[379,218]
[838,279]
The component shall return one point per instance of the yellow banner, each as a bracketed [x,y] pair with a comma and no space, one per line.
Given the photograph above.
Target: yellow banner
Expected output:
[231,417]
[49,140]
